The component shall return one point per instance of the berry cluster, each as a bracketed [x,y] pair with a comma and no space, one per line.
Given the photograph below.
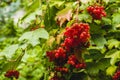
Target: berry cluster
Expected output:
[76,37]
[97,12]
[57,56]
[116,76]
[72,60]
[12,73]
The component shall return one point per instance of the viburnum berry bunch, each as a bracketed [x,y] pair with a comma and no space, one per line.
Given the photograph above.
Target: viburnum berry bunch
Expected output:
[12,74]
[116,75]
[97,12]
[58,56]
[76,37]
[72,60]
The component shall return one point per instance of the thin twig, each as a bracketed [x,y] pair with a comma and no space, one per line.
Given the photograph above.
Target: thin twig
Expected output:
[77,10]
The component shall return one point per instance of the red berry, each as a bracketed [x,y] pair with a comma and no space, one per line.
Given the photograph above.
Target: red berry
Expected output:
[12,73]
[72,60]
[58,56]
[76,35]
[97,12]
[116,76]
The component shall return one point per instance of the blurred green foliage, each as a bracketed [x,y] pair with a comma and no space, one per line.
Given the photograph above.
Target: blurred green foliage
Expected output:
[25,50]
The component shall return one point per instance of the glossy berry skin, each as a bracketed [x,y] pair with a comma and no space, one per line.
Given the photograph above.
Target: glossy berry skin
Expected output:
[12,73]
[58,56]
[116,76]
[72,60]
[97,12]
[76,35]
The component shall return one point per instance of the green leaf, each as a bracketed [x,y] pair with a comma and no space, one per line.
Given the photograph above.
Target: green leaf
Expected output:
[31,16]
[106,1]
[32,37]
[85,17]
[116,18]
[95,54]
[49,19]
[9,51]
[113,43]
[58,4]
[106,21]
[96,29]
[99,40]
[114,55]
[92,69]
[32,8]
[103,63]
[110,53]
[110,70]
[12,64]
[116,34]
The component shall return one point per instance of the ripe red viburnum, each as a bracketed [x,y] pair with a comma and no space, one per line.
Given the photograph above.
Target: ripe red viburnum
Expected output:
[97,12]
[12,73]
[72,60]
[58,56]
[76,35]
[116,76]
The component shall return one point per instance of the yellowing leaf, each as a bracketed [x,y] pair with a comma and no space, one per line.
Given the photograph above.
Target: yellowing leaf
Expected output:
[64,15]
[114,55]
[50,41]
[110,70]
[113,43]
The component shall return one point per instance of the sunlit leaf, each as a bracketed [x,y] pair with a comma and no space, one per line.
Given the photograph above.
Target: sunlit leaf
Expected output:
[13,64]
[113,43]
[32,8]
[114,55]
[85,17]
[32,37]
[110,70]
[106,21]
[116,18]
[9,51]
[106,1]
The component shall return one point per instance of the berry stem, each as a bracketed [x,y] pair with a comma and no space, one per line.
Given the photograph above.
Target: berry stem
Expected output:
[77,10]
